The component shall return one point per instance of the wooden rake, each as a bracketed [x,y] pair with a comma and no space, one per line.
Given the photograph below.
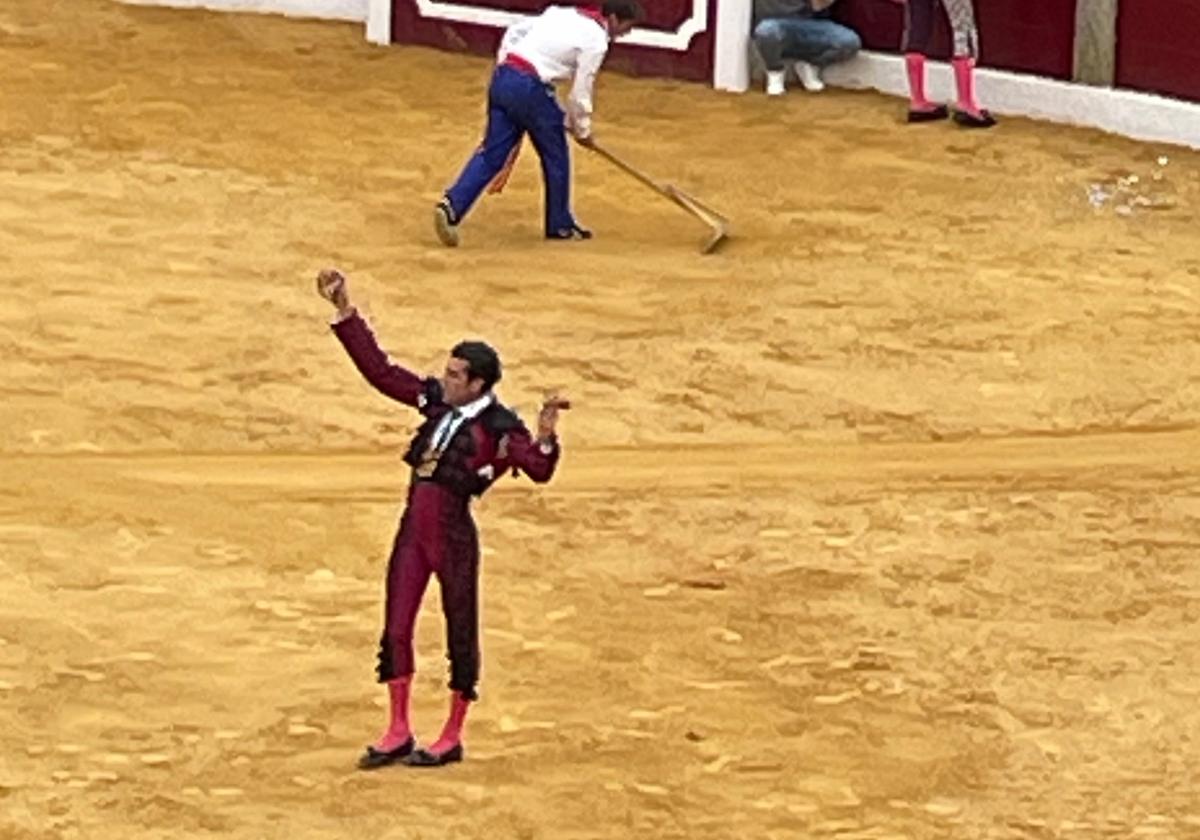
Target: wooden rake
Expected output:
[718,224]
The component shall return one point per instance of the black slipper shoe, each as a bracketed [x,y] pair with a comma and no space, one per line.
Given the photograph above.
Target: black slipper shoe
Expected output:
[424,758]
[968,120]
[941,112]
[374,758]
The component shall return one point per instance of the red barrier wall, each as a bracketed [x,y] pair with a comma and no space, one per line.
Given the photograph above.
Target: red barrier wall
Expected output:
[1158,41]
[1158,47]
[409,26]
[1025,36]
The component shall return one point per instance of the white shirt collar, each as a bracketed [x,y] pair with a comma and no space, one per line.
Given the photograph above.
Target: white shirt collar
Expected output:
[453,419]
[472,409]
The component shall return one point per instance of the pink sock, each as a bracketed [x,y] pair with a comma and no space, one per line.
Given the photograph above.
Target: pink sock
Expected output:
[398,730]
[452,731]
[915,64]
[964,77]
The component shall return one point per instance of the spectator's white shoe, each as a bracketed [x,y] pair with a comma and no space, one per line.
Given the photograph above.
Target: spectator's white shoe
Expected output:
[775,82]
[810,76]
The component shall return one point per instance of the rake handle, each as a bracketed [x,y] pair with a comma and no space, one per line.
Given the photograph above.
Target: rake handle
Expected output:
[711,218]
[616,161]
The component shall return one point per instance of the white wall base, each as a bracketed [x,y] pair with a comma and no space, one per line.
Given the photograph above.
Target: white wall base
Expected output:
[1140,116]
[731,59]
[354,10]
[379,21]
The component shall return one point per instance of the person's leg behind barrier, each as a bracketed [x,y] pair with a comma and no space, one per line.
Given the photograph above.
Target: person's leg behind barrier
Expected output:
[817,43]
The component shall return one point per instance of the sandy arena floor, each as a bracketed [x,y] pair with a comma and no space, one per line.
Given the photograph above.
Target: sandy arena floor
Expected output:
[883,523]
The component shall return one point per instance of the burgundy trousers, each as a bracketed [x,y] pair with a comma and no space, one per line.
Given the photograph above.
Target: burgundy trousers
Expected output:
[437,537]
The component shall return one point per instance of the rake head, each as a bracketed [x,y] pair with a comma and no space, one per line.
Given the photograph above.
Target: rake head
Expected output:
[718,224]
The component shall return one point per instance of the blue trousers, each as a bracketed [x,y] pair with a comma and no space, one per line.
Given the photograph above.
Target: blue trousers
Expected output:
[818,41]
[520,104]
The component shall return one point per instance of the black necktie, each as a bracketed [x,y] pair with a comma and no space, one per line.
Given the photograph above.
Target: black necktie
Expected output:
[444,437]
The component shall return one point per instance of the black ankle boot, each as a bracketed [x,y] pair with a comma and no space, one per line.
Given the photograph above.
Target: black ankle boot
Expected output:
[573,232]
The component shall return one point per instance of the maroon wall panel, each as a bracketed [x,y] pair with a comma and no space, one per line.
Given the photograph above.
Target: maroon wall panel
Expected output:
[409,27]
[1158,47]
[1024,36]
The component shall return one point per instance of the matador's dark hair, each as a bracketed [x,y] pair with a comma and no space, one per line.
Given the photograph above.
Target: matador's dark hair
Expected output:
[623,9]
[482,361]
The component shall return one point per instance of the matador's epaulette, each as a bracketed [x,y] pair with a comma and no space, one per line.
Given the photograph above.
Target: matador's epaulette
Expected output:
[431,393]
[500,419]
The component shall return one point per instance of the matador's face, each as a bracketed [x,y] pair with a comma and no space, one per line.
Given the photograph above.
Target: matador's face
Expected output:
[458,388]
[618,28]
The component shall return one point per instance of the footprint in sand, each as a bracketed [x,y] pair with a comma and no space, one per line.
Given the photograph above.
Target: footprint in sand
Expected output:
[725,635]
[279,609]
[128,544]
[720,763]
[299,730]
[837,699]
[650,714]
[320,576]
[559,615]
[164,108]
[509,724]
[81,673]
[651,790]
[660,591]
[221,551]
[715,685]
[287,644]
[942,807]
[132,656]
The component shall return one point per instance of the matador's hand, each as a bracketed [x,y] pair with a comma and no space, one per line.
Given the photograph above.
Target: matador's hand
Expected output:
[331,285]
[548,416]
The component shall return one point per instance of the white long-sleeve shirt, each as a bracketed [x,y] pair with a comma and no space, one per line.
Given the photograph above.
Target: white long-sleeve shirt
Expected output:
[560,43]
